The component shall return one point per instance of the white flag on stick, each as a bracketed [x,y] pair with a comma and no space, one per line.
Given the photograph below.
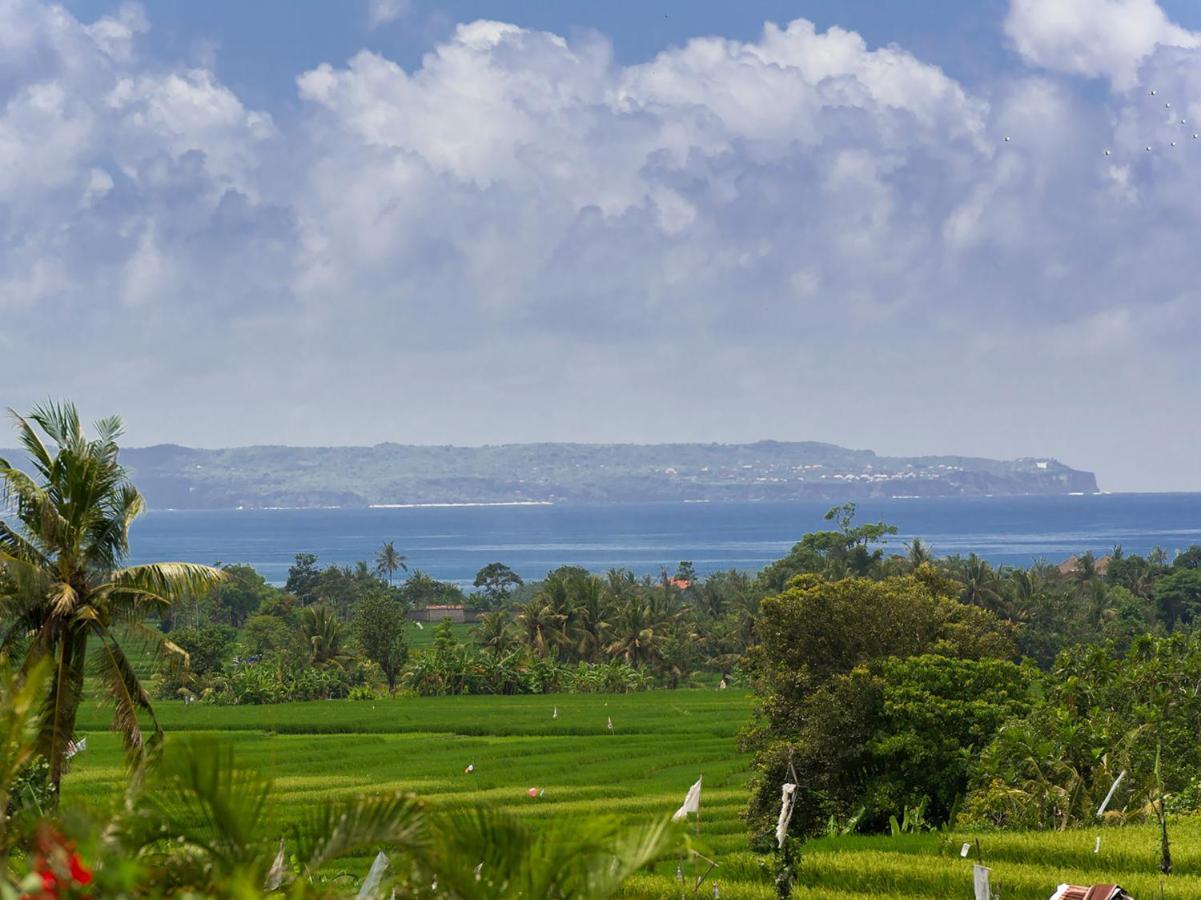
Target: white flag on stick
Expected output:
[980,885]
[692,802]
[374,876]
[275,875]
[787,800]
[1113,787]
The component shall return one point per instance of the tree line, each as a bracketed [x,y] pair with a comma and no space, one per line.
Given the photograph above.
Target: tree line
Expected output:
[906,691]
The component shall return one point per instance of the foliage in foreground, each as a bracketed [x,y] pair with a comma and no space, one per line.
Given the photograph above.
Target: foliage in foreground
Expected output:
[200,824]
[63,582]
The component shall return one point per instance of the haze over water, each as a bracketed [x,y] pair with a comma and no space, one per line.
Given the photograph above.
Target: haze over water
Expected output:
[452,543]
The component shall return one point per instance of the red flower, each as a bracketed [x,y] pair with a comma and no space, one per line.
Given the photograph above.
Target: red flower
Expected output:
[79,872]
[48,881]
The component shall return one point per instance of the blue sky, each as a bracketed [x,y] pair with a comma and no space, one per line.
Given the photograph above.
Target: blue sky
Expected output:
[918,227]
[262,45]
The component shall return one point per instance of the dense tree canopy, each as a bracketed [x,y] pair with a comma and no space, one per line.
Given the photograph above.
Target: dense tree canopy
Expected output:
[834,667]
[1100,713]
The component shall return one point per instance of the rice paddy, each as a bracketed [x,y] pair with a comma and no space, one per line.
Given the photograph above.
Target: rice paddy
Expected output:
[661,741]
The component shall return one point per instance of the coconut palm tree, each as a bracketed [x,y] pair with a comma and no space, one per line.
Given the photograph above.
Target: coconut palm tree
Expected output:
[919,553]
[494,632]
[590,618]
[388,561]
[981,586]
[540,625]
[62,548]
[637,633]
[1086,569]
[325,635]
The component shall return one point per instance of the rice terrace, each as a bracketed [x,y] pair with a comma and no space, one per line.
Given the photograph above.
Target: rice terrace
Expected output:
[661,741]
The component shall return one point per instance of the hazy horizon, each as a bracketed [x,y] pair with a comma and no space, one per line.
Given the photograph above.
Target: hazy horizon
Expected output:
[961,229]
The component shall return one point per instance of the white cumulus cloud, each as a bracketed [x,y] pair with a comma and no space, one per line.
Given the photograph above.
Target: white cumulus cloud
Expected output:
[797,236]
[1098,38]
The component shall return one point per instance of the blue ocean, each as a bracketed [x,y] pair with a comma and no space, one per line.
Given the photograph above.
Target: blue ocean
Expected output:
[453,543]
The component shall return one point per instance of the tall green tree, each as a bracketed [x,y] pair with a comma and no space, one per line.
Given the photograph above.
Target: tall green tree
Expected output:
[497,581]
[821,644]
[852,550]
[1178,596]
[240,595]
[421,590]
[63,544]
[637,633]
[304,578]
[379,623]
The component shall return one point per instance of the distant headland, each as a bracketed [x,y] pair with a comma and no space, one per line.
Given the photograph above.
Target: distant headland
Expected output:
[405,475]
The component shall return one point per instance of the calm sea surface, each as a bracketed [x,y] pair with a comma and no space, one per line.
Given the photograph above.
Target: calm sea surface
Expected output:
[452,543]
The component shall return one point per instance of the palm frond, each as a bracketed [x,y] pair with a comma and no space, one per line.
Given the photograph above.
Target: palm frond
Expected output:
[126,692]
[490,841]
[34,505]
[34,448]
[21,569]
[111,530]
[16,547]
[108,429]
[60,421]
[485,853]
[166,582]
[201,799]
[632,849]
[337,829]
[159,645]
[63,599]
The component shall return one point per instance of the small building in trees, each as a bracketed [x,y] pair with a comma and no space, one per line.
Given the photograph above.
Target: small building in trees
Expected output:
[456,612]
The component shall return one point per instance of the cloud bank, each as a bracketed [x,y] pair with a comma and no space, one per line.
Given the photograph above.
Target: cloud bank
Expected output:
[799,237]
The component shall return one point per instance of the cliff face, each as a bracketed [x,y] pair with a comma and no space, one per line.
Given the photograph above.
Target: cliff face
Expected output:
[187,478]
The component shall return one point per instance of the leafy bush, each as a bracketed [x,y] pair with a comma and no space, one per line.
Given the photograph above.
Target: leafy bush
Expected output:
[1103,712]
[874,693]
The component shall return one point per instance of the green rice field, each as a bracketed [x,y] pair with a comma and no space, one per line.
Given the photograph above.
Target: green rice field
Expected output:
[661,742]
